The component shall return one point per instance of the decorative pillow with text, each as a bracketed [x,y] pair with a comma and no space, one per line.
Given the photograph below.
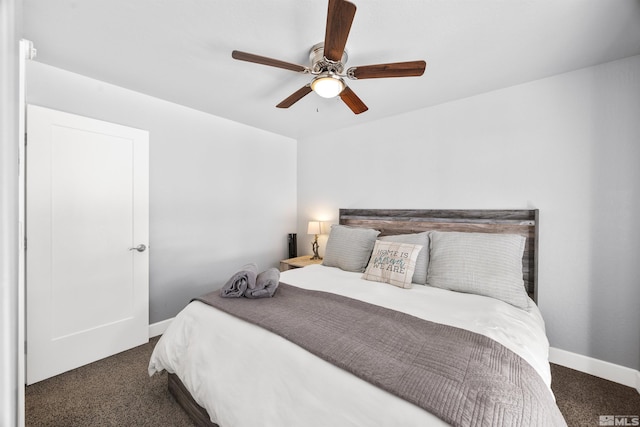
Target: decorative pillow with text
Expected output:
[422,262]
[393,263]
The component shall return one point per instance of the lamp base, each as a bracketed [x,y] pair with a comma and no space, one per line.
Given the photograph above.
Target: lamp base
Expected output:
[314,247]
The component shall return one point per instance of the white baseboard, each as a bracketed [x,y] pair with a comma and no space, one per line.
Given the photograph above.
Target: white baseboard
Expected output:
[158,328]
[599,368]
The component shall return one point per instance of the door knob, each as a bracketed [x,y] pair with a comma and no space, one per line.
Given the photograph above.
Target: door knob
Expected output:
[139,248]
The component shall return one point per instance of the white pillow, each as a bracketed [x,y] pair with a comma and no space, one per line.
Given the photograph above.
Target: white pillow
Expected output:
[392,263]
[422,262]
[349,248]
[479,263]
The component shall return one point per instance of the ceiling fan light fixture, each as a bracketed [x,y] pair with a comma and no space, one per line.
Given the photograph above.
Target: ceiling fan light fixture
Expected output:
[328,85]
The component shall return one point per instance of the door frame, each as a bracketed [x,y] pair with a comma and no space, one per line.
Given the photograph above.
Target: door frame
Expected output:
[27,52]
[11,391]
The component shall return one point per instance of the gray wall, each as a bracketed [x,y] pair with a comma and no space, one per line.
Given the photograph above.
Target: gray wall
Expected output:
[221,193]
[568,145]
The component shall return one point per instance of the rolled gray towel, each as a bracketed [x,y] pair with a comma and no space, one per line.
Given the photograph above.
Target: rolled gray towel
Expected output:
[266,284]
[240,282]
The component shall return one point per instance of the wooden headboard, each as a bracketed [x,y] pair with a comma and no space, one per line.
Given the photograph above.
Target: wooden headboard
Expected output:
[405,221]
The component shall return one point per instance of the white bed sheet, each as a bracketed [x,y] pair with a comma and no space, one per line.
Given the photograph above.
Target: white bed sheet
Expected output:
[244,375]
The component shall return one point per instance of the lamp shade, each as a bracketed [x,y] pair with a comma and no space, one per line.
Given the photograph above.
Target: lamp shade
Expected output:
[327,86]
[314,227]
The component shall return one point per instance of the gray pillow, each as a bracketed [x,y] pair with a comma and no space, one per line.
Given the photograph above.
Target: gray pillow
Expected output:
[422,263]
[349,248]
[479,263]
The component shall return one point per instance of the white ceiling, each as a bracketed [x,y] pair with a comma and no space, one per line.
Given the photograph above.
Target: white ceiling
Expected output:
[180,50]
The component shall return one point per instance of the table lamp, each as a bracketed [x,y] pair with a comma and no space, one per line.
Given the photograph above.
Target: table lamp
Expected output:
[314,228]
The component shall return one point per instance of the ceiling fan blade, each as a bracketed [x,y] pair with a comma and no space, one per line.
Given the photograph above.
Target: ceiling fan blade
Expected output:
[295,97]
[249,57]
[351,99]
[339,18]
[396,69]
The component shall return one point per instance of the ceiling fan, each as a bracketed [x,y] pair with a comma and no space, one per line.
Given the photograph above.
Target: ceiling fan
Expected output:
[328,61]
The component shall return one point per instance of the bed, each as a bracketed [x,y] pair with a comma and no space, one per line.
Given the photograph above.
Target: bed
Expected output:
[228,371]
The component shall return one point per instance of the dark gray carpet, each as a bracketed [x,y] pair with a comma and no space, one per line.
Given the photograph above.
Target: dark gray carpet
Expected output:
[583,398]
[117,391]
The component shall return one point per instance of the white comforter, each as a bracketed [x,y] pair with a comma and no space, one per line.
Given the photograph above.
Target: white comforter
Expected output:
[245,376]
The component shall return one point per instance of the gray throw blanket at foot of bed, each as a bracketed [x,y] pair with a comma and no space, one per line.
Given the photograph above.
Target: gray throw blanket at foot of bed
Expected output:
[266,284]
[240,282]
[464,378]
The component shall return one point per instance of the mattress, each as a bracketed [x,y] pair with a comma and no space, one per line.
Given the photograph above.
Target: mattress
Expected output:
[244,375]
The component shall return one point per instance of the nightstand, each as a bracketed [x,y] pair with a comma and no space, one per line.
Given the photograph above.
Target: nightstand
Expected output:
[299,262]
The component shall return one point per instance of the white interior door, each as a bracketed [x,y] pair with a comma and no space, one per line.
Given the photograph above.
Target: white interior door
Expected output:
[87,207]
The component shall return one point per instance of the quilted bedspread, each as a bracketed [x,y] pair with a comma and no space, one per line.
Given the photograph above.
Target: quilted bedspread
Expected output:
[460,376]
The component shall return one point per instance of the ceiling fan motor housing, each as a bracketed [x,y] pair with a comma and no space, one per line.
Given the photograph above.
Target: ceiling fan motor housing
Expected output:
[320,64]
